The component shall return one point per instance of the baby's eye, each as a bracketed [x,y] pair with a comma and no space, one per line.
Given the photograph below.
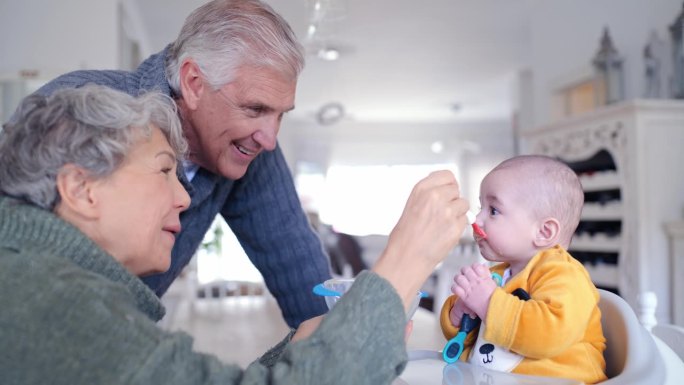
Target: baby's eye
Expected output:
[493,211]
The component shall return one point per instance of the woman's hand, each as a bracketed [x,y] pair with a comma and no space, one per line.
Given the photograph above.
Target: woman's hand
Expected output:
[306,328]
[430,226]
[408,330]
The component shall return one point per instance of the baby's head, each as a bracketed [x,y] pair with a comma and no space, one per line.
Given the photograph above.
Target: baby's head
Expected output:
[529,203]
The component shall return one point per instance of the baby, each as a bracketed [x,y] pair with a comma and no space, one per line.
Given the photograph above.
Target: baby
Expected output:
[544,318]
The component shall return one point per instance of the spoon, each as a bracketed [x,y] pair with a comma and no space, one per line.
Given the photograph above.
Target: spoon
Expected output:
[325,292]
[476,228]
[454,348]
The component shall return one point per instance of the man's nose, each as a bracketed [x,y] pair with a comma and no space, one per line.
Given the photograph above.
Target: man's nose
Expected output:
[267,135]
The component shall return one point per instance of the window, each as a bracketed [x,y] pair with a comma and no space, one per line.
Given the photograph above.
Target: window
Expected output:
[221,257]
[362,200]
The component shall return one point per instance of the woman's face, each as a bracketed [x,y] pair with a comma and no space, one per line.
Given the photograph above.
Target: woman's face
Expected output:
[140,205]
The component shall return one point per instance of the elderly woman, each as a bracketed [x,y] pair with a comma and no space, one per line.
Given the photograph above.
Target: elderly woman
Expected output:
[90,201]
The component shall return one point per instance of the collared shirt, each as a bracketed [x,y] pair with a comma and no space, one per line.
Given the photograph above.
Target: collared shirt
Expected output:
[190,169]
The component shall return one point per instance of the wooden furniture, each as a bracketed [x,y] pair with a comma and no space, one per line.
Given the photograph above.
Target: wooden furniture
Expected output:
[629,157]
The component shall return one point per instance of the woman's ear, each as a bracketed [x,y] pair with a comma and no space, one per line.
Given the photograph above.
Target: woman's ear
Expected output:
[77,196]
[548,233]
[192,83]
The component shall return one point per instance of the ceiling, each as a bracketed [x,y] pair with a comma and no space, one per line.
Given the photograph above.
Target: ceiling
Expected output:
[400,60]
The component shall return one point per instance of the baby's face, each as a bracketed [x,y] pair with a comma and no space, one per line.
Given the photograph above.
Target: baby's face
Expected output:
[507,218]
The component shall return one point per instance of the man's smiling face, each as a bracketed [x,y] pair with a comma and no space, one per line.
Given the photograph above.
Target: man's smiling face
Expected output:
[233,124]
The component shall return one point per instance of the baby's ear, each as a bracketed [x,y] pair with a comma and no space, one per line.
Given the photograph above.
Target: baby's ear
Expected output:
[548,233]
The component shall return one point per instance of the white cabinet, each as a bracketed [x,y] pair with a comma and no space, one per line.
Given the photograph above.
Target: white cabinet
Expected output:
[630,159]
[675,232]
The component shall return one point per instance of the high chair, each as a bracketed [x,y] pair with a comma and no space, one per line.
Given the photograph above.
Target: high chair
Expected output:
[631,354]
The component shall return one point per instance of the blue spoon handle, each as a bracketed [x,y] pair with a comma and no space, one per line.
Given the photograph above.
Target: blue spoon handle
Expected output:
[454,348]
[325,292]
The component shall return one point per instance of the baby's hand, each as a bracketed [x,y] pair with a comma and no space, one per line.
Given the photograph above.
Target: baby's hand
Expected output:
[457,312]
[474,286]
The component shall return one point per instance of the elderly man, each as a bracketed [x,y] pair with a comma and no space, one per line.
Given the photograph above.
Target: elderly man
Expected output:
[233,73]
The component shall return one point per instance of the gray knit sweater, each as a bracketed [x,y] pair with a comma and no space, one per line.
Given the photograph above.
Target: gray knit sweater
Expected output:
[70,314]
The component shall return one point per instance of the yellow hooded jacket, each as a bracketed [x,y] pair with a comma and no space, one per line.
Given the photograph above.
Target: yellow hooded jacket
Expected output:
[558,330]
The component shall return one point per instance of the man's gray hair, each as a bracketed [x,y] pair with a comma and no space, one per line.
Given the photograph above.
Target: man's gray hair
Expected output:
[93,127]
[222,35]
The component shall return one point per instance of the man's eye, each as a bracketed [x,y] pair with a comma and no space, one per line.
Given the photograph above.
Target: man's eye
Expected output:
[257,109]
[166,170]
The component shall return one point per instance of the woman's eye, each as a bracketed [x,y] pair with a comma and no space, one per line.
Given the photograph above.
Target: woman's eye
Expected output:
[166,170]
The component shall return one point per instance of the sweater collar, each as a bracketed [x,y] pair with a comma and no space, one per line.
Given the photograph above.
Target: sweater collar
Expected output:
[152,73]
[24,226]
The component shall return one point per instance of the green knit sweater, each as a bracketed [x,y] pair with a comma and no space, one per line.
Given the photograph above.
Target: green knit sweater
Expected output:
[70,314]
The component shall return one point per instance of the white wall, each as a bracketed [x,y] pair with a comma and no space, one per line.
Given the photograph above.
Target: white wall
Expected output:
[565,37]
[474,147]
[57,36]
[40,40]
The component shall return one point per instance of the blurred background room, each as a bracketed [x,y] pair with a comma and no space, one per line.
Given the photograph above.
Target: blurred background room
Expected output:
[394,89]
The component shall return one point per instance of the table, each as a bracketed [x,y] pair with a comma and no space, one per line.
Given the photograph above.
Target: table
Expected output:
[426,367]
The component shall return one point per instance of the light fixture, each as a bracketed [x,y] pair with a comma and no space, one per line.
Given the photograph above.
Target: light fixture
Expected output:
[329,54]
[437,147]
[311,30]
[330,113]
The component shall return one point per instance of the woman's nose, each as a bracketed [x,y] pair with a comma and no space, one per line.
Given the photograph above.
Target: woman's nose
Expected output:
[181,196]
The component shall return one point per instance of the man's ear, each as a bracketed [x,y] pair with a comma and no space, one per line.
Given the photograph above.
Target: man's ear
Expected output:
[192,83]
[77,196]
[548,233]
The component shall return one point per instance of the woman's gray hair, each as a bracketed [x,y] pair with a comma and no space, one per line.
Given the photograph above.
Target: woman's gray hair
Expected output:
[222,35]
[93,127]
